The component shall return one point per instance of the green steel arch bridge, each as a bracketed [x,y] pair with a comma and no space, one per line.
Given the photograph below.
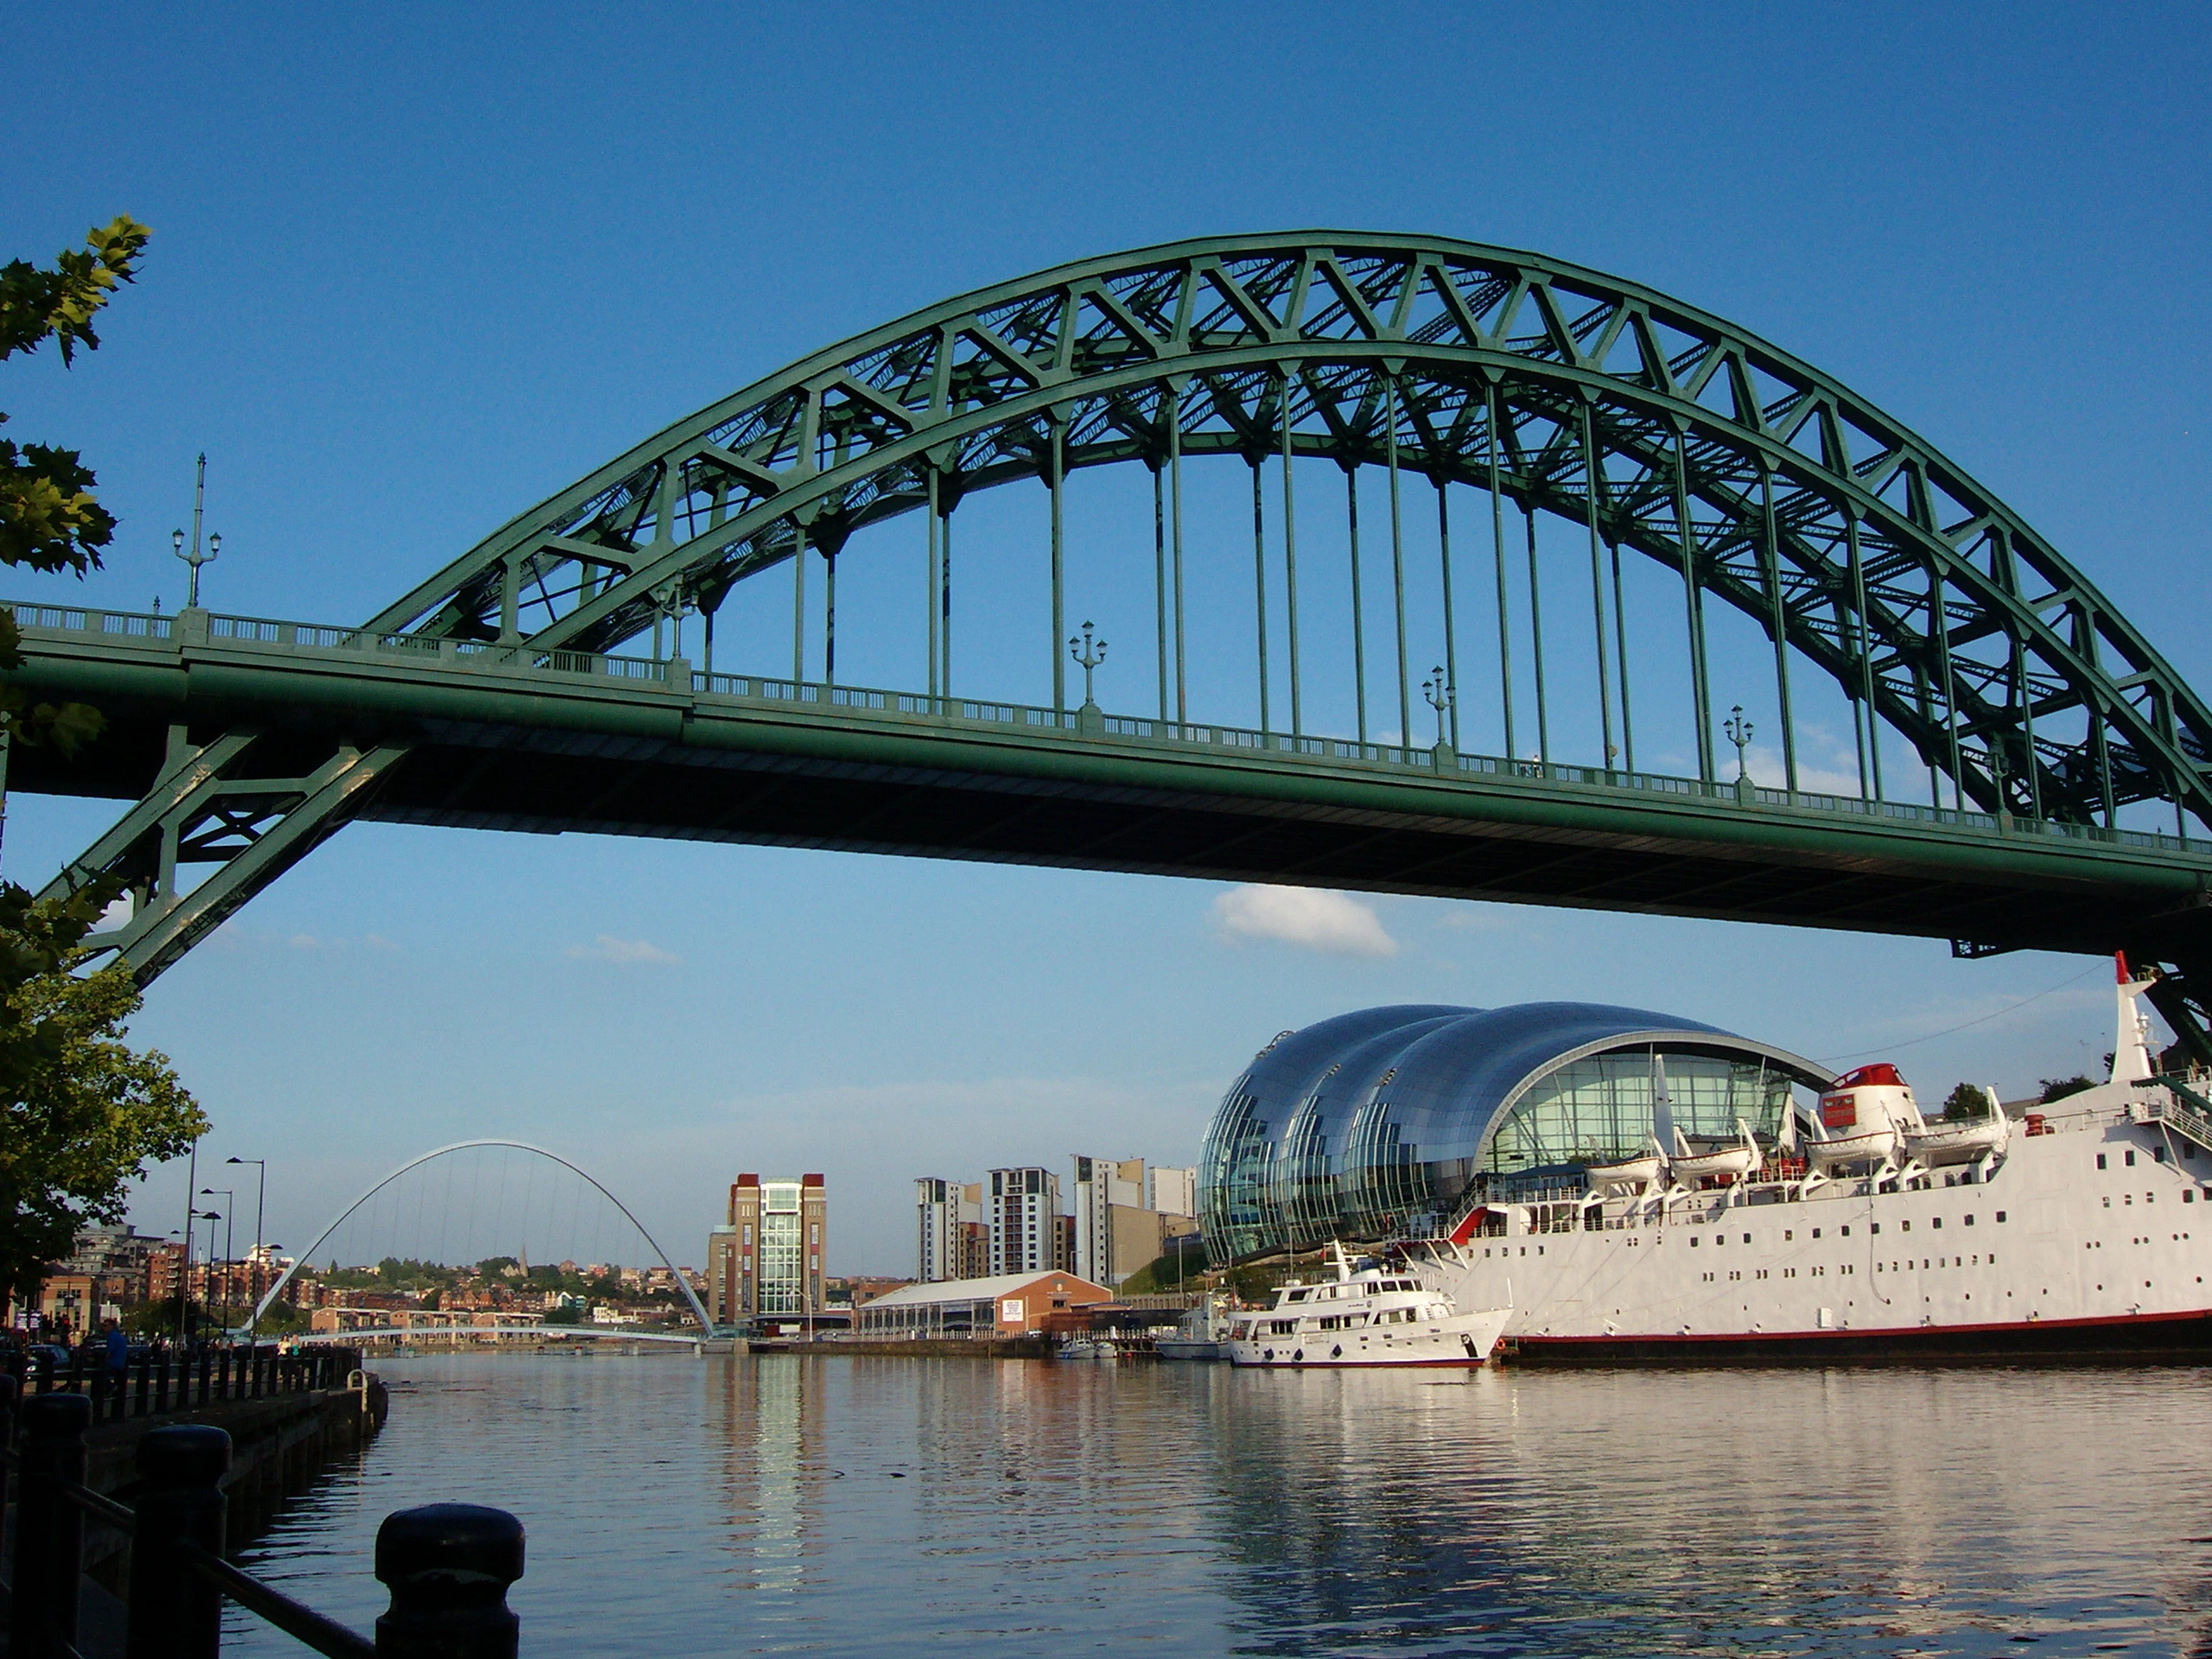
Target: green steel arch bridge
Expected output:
[2028,772]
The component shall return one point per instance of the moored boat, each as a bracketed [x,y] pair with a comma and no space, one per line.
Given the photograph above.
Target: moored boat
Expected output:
[1202,1333]
[1363,1316]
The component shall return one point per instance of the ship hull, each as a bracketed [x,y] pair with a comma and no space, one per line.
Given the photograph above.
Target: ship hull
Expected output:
[2090,1238]
[2163,1337]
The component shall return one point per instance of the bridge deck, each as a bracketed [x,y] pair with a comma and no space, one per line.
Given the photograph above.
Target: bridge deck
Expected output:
[506,737]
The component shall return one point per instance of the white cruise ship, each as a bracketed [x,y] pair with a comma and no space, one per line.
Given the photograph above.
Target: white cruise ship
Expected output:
[1363,1316]
[1843,1225]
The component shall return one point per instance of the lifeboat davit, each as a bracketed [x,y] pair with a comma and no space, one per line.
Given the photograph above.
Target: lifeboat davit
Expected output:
[1736,1163]
[1865,1116]
[1963,1141]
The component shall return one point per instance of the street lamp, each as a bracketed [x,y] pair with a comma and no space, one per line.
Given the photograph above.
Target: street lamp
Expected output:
[230,1203]
[261,1194]
[1739,731]
[211,1217]
[196,558]
[1089,653]
[1436,690]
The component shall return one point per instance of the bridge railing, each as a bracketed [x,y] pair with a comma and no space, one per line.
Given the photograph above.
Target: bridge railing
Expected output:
[476,653]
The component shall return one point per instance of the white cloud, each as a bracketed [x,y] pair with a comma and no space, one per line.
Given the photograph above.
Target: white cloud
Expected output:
[1310,917]
[607,948]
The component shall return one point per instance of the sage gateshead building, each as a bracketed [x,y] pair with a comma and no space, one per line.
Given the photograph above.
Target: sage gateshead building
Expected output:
[1387,1122]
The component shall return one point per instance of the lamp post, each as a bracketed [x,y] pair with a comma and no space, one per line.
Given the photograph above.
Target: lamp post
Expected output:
[1089,653]
[230,1205]
[211,1217]
[261,1194]
[1738,731]
[196,558]
[1436,690]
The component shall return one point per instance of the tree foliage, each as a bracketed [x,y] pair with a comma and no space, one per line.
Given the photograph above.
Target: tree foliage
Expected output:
[49,518]
[82,1113]
[2059,1088]
[1968,1100]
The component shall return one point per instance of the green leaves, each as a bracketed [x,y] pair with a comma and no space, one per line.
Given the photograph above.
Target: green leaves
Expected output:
[81,1114]
[49,519]
[60,304]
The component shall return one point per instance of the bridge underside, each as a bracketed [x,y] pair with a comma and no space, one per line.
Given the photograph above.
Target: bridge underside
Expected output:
[649,761]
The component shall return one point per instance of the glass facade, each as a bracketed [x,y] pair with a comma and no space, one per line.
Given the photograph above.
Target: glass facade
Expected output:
[782,1249]
[1380,1121]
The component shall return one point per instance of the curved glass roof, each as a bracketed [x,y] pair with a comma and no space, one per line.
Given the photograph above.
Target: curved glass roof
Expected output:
[1375,1122]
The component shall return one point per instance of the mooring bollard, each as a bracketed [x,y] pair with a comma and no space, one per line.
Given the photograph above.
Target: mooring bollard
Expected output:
[49,1529]
[174,1611]
[448,1566]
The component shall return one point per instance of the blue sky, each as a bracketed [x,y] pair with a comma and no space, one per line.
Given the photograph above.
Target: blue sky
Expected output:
[414,270]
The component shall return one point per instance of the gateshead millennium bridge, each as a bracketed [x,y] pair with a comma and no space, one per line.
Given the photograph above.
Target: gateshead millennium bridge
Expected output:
[2055,791]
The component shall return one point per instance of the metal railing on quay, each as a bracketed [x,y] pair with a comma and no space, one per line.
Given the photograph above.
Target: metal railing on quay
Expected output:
[447,1566]
[751,688]
[155,1381]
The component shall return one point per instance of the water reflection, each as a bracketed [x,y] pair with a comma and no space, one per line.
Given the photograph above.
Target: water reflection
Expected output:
[867,1506]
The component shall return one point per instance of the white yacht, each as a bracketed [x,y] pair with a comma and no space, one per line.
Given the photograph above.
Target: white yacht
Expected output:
[1363,1316]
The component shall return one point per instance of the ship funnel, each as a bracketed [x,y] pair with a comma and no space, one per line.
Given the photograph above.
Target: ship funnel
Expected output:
[2131,1043]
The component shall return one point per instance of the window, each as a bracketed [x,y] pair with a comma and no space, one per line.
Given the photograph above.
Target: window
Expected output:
[2131,1159]
[1692,1242]
[2189,1195]
[1969,1221]
[2158,1155]
[2101,1160]
[1875,1227]
[1747,1238]
[1937,1224]
[1788,1233]
[1816,1232]
[1846,1231]
[1905,1225]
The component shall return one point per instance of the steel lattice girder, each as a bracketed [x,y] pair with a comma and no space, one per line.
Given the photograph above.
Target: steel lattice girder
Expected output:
[1978,630]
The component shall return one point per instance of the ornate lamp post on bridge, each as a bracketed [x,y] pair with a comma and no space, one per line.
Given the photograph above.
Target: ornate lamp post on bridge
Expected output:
[1738,731]
[1439,694]
[1089,653]
[196,558]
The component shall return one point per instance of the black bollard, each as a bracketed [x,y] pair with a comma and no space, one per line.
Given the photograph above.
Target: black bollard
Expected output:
[175,1613]
[448,1566]
[49,1530]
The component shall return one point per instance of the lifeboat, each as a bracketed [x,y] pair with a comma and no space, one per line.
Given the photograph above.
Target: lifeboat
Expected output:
[1865,1115]
[1734,1163]
[1632,1176]
[1963,1141]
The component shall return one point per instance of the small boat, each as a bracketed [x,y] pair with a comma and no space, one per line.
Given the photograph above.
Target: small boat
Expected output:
[1865,1115]
[1736,1162]
[1201,1333]
[1086,1348]
[1366,1316]
[1630,1175]
[1960,1141]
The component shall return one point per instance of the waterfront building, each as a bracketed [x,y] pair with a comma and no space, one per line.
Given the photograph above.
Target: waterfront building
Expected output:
[1021,1210]
[1387,1121]
[1004,1304]
[1119,1224]
[765,1263]
[1172,1192]
[944,1211]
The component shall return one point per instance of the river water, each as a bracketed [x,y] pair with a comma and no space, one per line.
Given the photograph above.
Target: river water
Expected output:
[678,1505]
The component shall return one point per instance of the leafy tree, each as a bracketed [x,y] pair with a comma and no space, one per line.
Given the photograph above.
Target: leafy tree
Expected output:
[1966,1101]
[49,519]
[81,1115]
[2059,1088]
